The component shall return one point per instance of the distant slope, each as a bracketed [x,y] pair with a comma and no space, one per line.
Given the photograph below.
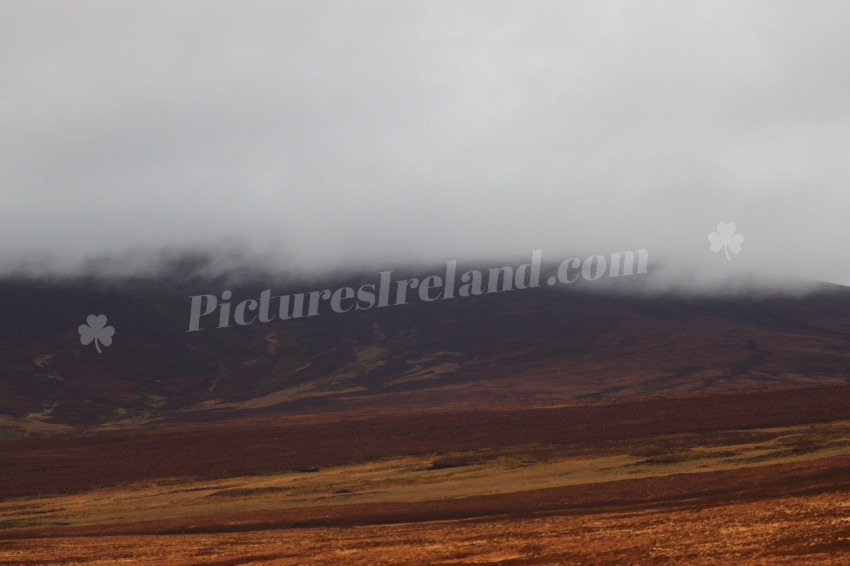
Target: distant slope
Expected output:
[532,347]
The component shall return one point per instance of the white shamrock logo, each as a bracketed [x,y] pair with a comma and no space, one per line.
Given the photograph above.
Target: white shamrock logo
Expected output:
[726,239]
[96,330]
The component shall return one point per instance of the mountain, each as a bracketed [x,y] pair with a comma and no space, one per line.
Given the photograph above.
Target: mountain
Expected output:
[533,347]
[547,425]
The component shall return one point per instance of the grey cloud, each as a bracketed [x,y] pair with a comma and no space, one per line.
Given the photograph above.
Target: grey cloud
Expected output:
[330,134]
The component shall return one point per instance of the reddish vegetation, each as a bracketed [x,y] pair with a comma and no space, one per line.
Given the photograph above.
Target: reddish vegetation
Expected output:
[680,491]
[542,371]
[792,514]
[248,446]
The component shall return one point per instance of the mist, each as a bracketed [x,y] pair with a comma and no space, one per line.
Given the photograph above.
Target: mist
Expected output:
[305,139]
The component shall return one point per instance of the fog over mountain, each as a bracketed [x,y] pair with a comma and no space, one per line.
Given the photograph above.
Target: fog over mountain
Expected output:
[309,137]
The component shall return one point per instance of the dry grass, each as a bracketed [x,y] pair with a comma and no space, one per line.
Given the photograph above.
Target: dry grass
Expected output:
[434,477]
[801,530]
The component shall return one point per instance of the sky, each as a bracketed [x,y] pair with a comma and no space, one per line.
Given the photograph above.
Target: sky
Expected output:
[313,136]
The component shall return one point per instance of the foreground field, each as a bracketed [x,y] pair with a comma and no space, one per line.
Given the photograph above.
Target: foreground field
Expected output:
[792,530]
[774,495]
[790,452]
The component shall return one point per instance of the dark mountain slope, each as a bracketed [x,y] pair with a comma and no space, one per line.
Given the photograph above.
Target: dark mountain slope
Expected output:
[530,347]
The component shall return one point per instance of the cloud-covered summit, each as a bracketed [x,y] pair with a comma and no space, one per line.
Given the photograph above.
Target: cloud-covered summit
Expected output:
[326,135]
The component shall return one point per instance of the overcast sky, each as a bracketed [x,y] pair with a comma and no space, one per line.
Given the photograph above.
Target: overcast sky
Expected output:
[314,135]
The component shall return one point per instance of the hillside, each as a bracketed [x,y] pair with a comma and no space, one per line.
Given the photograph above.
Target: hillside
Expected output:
[537,347]
[534,427]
